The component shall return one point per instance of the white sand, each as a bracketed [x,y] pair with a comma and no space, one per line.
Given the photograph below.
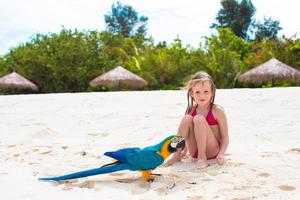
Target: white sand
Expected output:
[54,134]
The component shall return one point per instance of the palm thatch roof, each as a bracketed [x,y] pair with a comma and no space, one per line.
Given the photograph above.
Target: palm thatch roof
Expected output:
[272,70]
[16,81]
[119,77]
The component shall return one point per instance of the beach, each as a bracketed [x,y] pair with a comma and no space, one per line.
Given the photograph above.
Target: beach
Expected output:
[53,134]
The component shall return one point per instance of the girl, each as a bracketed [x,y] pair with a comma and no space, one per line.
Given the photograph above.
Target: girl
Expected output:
[204,125]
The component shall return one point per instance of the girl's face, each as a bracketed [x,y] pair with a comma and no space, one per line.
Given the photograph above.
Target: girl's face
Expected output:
[202,93]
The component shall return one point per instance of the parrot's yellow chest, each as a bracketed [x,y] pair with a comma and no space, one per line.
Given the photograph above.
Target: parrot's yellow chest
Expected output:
[164,150]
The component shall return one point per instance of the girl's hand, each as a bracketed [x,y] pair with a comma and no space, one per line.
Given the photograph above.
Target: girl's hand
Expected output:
[220,159]
[175,158]
[183,153]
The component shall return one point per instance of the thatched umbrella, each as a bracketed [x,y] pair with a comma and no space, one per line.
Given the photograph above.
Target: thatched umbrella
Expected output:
[119,77]
[271,70]
[16,81]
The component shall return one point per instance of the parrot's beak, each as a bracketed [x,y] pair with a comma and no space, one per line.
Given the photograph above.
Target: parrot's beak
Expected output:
[176,143]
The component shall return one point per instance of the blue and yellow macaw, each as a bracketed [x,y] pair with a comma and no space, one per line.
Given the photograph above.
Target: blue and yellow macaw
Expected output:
[135,159]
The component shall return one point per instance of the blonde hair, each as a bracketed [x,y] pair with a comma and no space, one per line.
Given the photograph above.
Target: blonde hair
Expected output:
[199,77]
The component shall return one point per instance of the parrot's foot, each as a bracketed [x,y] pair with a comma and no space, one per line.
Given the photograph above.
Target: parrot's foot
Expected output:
[147,175]
[151,178]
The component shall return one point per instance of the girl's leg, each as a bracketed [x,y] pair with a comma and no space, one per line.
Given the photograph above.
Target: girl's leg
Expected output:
[207,144]
[185,129]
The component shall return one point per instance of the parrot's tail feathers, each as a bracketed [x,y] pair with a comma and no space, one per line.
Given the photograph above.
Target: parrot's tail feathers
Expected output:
[91,172]
[111,164]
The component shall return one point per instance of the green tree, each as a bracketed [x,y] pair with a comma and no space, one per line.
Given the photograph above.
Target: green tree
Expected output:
[235,15]
[4,69]
[63,62]
[284,49]
[126,21]
[266,30]
[294,49]
[225,57]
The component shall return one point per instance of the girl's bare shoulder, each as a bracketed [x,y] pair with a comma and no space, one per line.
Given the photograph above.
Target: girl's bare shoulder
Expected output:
[218,110]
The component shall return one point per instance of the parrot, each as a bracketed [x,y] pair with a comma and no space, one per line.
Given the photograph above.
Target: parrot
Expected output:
[133,158]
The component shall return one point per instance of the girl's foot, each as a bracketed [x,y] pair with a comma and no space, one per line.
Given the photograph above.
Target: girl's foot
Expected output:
[201,164]
[221,160]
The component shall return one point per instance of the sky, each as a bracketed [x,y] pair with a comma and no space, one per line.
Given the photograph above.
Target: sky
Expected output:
[188,20]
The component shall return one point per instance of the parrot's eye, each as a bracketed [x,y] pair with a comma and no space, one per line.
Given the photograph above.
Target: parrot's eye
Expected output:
[177,142]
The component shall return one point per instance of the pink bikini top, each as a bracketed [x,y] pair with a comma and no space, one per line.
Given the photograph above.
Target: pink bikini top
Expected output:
[211,120]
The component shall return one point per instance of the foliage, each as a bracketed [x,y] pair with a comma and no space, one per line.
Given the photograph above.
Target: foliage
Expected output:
[225,55]
[69,60]
[3,67]
[235,15]
[124,20]
[62,62]
[266,30]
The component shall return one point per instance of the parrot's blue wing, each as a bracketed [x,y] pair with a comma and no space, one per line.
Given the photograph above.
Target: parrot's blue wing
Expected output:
[144,160]
[121,154]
